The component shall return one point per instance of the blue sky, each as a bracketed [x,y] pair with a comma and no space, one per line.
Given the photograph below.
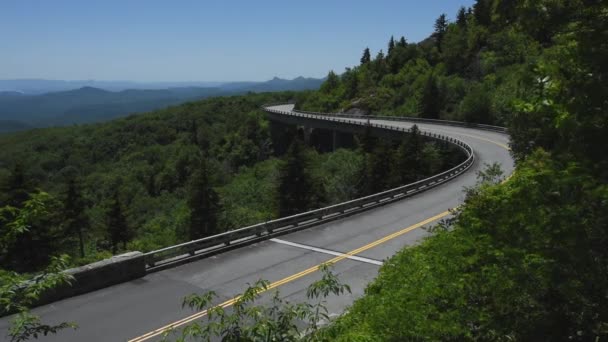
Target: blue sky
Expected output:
[201,40]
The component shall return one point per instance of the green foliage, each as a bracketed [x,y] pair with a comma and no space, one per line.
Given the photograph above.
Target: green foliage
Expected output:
[366,58]
[514,266]
[476,106]
[74,212]
[338,173]
[19,292]
[377,171]
[441,27]
[297,191]
[203,202]
[118,229]
[246,321]
[31,233]
[146,161]
[250,197]
[430,101]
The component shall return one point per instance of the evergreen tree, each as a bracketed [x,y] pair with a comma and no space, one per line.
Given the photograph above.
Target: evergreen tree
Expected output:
[379,65]
[367,57]
[193,132]
[203,202]
[377,173]
[461,17]
[74,212]
[408,161]
[391,46]
[367,142]
[17,187]
[430,102]
[402,42]
[118,229]
[482,12]
[297,192]
[441,27]
[331,83]
[351,83]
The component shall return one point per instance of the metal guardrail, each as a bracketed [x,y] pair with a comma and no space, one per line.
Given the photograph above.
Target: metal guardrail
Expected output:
[411,119]
[165,257]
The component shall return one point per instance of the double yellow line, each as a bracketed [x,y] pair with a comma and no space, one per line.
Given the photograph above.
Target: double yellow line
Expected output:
[310,270]
[291,278]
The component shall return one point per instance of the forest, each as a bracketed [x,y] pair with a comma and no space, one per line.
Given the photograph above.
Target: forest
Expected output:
[153,180]
[524,258]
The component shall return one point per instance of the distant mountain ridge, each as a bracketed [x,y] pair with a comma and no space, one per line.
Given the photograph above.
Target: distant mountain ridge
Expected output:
[87,104]
[42,86]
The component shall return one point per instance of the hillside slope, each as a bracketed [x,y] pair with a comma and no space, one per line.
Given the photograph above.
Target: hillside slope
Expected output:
[90,104]
[523,259]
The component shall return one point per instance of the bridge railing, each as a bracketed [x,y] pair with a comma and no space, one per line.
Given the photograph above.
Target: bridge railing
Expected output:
[166,257]
[410,119]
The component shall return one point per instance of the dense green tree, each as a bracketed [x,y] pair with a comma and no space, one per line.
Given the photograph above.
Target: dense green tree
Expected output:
[402,42]
[332,82]
[203,202]
[391,46]
[441,27]
[350,81]
[461,17]
[74,214]
[408,159]
[377,171]
[31,233]
[297,191]
[477,107]
[117,226]
[366,141]
[367,57]
[430,101]
[17,188]
[482,10]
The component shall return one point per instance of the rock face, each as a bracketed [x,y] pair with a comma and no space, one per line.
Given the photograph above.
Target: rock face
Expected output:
[357,111]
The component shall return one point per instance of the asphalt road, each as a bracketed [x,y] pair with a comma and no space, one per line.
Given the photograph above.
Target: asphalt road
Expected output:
[130,311]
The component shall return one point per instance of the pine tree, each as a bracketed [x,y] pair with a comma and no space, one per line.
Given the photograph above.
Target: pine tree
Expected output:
[367,57]
[367,142]
[331,83]
[391,46]
[17,187]
[193,132]
[461,17]
[74,212]
[408,162]
[482,10]
[430,102]
[203,202]
[377,173]
[441,27]
[350,80]
[379,65]
[402,42]
[296,188]
[118,228]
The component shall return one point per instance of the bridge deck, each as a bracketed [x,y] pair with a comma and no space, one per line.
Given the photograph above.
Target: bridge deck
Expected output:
[132,309]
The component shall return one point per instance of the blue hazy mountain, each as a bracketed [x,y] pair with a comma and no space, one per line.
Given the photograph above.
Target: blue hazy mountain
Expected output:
[42,86]
[22,108]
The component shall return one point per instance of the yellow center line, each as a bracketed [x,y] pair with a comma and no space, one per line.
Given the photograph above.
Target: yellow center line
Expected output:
[293,277]
[310,270]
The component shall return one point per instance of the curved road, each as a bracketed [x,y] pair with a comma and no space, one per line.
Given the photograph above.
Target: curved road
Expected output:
[141,309]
